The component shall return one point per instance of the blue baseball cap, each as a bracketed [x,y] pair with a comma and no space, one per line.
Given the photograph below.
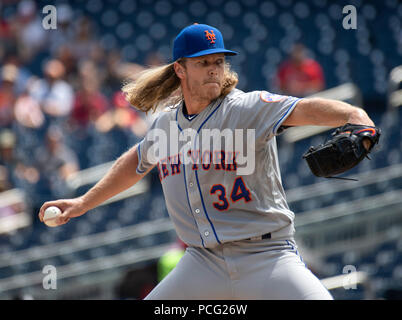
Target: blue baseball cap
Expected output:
[199,40]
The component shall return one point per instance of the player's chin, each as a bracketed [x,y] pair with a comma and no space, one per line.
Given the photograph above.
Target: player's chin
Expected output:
[213,90]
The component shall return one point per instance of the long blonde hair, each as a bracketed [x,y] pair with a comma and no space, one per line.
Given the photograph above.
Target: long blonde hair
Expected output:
[160,86]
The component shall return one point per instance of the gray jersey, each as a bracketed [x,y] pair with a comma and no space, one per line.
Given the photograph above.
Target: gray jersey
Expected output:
[209,198]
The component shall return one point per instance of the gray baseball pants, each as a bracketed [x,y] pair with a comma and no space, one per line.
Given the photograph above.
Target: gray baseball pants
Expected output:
[268,269]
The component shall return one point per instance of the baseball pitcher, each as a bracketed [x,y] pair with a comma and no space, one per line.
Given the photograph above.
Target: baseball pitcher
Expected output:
[215,150]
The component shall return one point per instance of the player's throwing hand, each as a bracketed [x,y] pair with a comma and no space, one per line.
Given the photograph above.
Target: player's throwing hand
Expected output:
[70,208]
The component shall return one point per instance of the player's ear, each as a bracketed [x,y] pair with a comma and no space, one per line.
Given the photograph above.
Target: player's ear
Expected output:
[179,69]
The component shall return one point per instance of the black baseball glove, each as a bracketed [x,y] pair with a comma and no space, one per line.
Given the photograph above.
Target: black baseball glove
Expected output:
[344,151]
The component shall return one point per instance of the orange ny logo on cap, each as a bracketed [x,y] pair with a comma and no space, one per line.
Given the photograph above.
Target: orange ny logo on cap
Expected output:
[210,36]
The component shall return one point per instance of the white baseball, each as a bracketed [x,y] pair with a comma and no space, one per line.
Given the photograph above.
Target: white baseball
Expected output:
[50,216]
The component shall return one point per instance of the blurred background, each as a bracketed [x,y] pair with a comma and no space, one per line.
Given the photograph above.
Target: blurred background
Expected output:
[64,121]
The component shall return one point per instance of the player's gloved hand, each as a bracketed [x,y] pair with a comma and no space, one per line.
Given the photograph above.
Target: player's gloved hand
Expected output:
[348,146]
[70,208]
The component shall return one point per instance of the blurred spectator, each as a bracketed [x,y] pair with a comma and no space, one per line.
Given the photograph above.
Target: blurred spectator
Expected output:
[88,71]
[9,74]
[5,183]
[5,28]
[84,39]
[8,40]
[7,148]
[65,55]
[64,34]
[55,95]
[6,140]
[116,71]
[98,57]
[122,116]
[55,162]
[300,75]
[31,35]
[55,157]
[28,112]
[90,103]
[23,74]
[19,174]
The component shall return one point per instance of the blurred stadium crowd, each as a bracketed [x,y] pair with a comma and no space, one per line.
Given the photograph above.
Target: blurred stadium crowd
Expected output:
[62,111]
[59,89]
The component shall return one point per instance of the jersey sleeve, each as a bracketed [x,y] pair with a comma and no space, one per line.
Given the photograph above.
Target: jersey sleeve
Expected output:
[146,158]
[265,112]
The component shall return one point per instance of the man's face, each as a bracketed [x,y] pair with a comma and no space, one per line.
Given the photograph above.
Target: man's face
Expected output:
[202,76]
[298,54]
